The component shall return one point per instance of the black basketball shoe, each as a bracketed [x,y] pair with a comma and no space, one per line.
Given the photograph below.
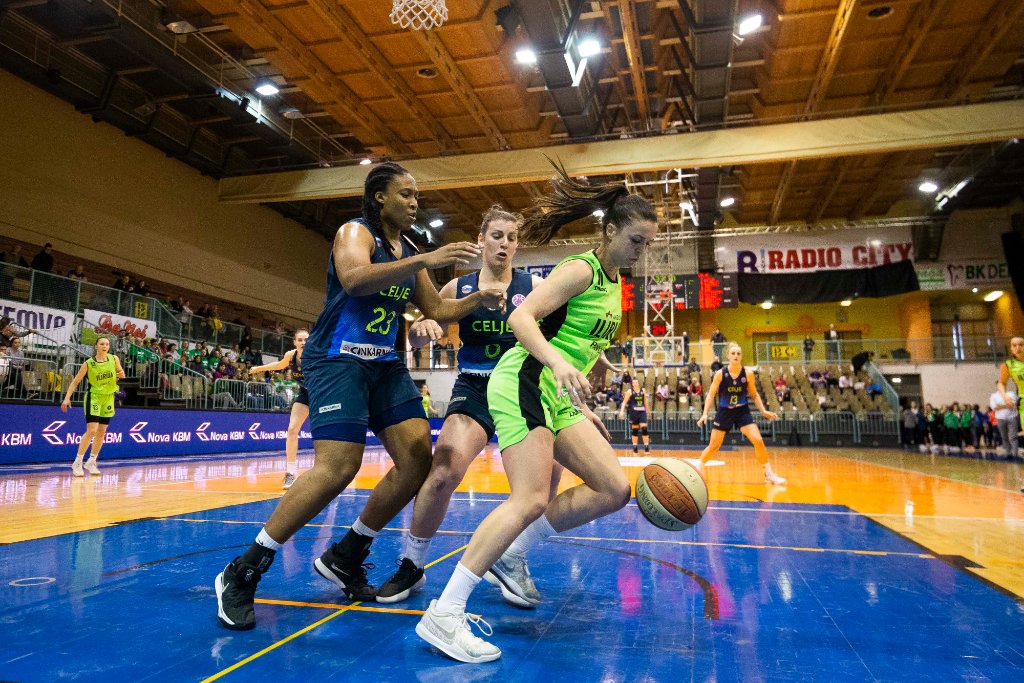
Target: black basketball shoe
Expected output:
[236,591]
[345,567]
[407,580]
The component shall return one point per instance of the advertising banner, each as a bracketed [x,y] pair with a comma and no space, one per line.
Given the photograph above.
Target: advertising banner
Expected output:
[813,252]
[112,323]
[45,434]
[53,322]
[981,273]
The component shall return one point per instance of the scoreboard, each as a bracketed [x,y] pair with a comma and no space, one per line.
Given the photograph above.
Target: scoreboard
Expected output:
[686,292]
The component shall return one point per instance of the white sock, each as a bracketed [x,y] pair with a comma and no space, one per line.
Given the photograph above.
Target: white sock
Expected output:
[363,530]
[264,539]
[456,593]
[538,531]
[416,549]
[78,458]
[291,467]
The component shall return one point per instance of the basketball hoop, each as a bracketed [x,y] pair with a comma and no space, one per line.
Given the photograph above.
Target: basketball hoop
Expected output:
[419,15]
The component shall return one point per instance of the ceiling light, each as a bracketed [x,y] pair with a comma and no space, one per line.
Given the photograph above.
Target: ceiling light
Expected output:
[928,187]
[728,201]
[992,296]
[365,162]
[180,27]
[766,305]
[292,113]
[599,213]
[525,55]
[845,302]
[749,24]
[267,89]
[436,223]
[589,47]
[897,380]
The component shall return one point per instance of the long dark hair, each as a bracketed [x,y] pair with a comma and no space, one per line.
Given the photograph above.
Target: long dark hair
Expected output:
[571,200]
[377,180]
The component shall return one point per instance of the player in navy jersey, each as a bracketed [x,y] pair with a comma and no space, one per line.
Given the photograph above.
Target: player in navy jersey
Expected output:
[635,400]
[485,336]
[355,381]
[735,388]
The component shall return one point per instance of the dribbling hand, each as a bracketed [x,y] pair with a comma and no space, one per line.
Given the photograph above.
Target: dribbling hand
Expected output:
[426,328]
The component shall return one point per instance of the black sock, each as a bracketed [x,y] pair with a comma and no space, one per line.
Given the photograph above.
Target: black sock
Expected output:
[353,542]
[258,556]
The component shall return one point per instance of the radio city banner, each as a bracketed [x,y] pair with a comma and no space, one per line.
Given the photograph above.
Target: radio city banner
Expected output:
[808,252]
[45,434]
[52,322]
[112,323]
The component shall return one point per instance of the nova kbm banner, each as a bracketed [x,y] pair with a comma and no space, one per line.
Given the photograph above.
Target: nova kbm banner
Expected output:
[54,323]
[44,434]
[813,251]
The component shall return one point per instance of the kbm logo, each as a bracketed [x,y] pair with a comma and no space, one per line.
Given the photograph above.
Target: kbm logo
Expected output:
[252,430]
[136,432]
[50,432]
[201,432]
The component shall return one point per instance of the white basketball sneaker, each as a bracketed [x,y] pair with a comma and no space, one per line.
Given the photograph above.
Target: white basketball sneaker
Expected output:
[771,478]
[512,575]
[91,467]
[449,632]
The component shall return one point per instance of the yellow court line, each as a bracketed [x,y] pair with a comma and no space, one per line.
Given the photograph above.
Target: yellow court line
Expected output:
[331,605]
[340,610]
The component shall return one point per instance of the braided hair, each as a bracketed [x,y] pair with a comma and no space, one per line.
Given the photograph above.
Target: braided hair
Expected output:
[572,199]
[377,180]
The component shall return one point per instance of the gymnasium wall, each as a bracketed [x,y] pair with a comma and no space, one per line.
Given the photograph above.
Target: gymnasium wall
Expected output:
[98,194]
[944,383]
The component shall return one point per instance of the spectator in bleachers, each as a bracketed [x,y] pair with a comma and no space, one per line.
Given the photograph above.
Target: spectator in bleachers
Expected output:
[245,344]
[616,377]
[696,389]
[830,379]
[845,382]
[449,350]
[966,420]
[693,366]
[124,283]
[185,314]
[781,388]
[77,273]
[718,344]
[141,288]
[14,257]
[8,332]
[816,379]
[221,372]
[978,431]
[951,428]
[716,365]
[663,392]
[873,388]
[808,348]
[686,346]
[682,385]
[43,261]
[233,353]
[860,360]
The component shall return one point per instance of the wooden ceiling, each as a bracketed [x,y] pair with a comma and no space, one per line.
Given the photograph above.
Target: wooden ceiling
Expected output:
[367,88]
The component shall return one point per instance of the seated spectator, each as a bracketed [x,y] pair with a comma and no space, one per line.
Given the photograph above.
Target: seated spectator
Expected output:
[682,386]
[614,395]
[233,353]
[873,389]
[662,391]
[716,365]
[221,372]
[781,388]
[695,388]
[617,378]
[830,380]
[693,366]
[859,384]
[844,381]
[124,283]
[141,288]
[816,379]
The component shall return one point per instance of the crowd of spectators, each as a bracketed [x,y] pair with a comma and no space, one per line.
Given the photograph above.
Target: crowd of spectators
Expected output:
[967,428]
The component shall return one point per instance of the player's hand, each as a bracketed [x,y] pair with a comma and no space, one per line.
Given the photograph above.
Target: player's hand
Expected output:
[570,381]
[702,420]
[65,405]
[492,299]
[596,421]
[427,328]
[770,415]
[456,253]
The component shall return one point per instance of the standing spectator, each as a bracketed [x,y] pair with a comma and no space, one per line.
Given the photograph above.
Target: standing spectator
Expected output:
[428,407]
[860,360]
[686,346]
[77,273]
[417,352]
[718,344]
[832,344]
[142,289]
[627,350]
[125,283]
[951,428]
[808,348]
[1005,406]
[435,354]
[43,261]
[449,350]
[908,432]
[17,364]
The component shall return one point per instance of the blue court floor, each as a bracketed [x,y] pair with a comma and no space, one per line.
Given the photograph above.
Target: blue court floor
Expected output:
[755,592]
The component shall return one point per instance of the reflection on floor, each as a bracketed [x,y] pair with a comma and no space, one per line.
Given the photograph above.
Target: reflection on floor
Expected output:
[874,565]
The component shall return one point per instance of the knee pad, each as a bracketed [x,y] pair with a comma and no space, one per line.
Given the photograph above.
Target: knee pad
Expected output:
[636,431]
[644,432]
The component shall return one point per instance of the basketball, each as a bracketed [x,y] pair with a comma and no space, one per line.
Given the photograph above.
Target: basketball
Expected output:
[671,494]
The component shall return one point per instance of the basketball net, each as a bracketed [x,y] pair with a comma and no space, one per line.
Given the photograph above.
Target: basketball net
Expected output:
[419,15]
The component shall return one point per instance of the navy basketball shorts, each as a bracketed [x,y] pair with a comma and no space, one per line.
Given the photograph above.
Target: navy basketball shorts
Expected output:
[469,397]
[727,418]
